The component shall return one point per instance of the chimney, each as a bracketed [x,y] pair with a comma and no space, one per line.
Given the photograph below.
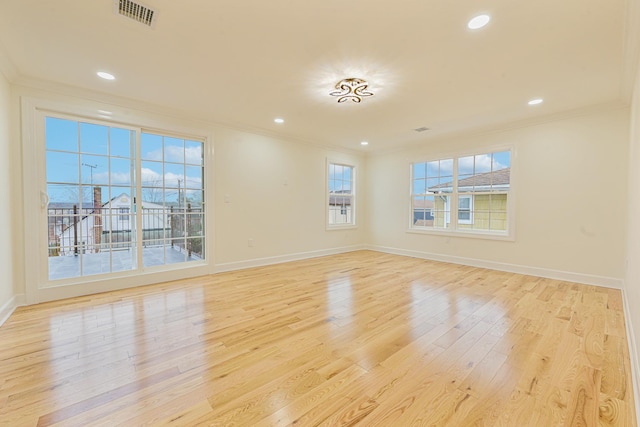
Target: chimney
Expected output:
[97,218]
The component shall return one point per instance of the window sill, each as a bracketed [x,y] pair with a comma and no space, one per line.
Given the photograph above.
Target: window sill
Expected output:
[465,234]
[341,227]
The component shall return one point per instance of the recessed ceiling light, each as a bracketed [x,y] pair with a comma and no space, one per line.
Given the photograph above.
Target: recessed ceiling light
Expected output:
[478,22]
[364,143]
[278,120]
[535,101]
[106,76]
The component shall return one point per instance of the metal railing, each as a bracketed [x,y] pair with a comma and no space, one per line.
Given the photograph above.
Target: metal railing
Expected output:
[72,230]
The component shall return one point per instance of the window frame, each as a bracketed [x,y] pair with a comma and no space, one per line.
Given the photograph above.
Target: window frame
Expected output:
[38,286]
[453,219]
[470,210]
[352,196]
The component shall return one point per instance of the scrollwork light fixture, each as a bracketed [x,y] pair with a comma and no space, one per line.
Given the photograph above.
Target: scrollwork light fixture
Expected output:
[351,89]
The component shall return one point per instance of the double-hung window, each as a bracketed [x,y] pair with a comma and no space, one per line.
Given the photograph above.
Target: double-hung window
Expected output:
[341,195]
[465,194]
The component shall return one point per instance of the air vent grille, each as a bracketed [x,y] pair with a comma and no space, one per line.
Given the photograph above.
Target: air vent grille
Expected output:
[422,129]
[136,11]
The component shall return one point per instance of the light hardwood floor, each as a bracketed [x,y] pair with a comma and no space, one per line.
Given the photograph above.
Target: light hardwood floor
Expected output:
[363,338]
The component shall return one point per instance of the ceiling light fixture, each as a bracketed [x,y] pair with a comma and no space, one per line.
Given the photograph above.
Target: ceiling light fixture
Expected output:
[351,89]
[478,22]
[278,120]
[105,75]
[364,143]
[535,101]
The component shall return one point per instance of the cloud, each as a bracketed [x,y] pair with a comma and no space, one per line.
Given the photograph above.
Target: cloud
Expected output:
[149,177]
[153,178]
[338,172]
[481,163]
[153,155]
[193,155]
[469,165]
[175,154]
[120,178]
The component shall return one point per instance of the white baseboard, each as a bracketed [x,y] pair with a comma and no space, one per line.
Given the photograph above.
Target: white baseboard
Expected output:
[259,262]
[9,307]
[633,352]
[588,279]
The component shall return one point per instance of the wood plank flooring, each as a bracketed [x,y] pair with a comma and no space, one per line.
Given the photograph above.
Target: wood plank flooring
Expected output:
[363,338]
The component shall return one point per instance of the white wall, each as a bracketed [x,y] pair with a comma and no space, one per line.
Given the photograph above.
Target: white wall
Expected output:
[7,281]
[569,177]
[632,279]
[276,193]
[276,189]
[571,195]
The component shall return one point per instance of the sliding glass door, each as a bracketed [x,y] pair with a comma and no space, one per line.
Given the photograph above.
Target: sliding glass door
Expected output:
[95,175]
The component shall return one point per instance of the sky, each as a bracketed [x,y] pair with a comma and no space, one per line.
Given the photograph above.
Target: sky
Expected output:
[429,174]
[170,167]
[104,155]
[340,178]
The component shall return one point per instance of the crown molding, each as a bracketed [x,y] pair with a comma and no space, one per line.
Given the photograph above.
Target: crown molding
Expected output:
[30,83]
[631,49]
[7,67]
[495,128]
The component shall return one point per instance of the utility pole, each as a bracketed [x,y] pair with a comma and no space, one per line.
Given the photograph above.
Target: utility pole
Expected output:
[92,168]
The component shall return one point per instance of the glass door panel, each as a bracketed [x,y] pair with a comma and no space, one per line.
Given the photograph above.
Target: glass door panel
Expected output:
[172,200]
[90,177]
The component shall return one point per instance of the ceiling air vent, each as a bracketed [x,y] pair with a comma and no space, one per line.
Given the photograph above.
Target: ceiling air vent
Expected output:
[136,11]
[422,129]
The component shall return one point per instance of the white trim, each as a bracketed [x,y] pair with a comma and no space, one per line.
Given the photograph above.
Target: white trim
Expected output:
[10,306]
[7,67]
[499,127]
[342,226]
[633,352]
[25,84]
[31,199]
[279,259]
[587,279]
[35,276]
[470,233]
[471,199]
[96,286]
[631,48]
[451,203]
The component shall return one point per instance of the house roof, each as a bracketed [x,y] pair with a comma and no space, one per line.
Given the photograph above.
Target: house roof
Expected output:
[499,178]
[423,204]
[335,199]
[89,205]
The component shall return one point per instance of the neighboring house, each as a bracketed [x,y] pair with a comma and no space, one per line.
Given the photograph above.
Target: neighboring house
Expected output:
[482,201]
[340,211]
[423,213]
[59,216]
[110,225]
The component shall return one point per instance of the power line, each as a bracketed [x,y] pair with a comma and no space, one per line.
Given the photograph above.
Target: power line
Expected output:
[92,168]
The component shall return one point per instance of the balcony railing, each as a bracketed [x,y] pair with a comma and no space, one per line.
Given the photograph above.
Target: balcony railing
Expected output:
[72,230]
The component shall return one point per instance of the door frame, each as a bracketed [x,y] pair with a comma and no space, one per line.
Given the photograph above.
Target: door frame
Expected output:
[37,286]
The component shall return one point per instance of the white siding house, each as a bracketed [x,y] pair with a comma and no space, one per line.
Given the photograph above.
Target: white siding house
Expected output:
[110,226]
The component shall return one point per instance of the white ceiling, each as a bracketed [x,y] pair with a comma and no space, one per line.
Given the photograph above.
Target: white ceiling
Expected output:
[245,62]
